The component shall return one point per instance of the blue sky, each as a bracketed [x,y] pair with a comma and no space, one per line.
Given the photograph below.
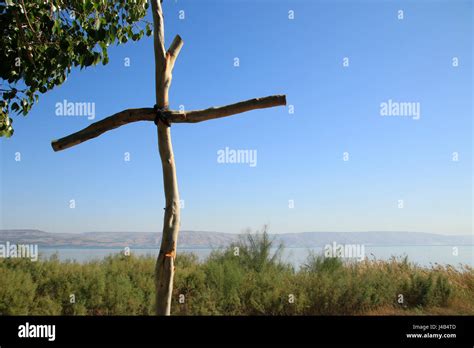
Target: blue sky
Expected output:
[299,156]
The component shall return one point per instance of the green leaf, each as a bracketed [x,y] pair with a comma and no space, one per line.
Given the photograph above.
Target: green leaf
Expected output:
[57,26]
[97,23]
[149,31]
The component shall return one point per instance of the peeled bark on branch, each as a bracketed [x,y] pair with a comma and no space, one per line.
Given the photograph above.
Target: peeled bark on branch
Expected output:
[173,51]
[228,110]
[160,53]
[149,114]
[164,62]
[97,128]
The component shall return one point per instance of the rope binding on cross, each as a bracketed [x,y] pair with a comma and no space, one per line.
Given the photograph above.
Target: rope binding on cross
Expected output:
[161,116]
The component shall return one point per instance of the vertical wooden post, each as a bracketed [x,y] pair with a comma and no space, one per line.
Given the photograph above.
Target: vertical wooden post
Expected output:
[164,61]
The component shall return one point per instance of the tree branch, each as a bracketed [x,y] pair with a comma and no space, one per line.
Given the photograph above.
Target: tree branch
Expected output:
[160,54]
[164,269]
[173,51]
[228,110]
[102,126]
[148,114]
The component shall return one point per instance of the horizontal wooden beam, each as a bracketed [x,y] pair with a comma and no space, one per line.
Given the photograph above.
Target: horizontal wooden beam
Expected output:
[97,128]
[149,114]
[228,110]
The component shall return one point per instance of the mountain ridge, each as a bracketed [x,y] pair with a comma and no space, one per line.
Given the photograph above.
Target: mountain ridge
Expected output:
[208,239]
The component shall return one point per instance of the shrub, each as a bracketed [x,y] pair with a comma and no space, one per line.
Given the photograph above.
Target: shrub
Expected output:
[252,282]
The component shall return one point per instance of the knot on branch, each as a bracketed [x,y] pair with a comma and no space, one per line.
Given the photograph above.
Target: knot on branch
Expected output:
[161,116]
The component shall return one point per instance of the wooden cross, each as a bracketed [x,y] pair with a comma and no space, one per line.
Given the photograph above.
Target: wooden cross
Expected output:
[163,118]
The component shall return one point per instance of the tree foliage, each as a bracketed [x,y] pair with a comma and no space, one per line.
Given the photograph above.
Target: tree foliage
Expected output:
[42,40]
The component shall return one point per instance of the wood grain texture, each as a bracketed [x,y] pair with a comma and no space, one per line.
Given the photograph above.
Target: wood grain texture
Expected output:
[164,63]
[97,128]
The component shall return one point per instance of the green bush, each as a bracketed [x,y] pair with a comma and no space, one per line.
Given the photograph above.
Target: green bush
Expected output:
[246,278]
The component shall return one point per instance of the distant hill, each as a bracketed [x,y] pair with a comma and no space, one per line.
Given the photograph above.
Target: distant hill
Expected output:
[200,239]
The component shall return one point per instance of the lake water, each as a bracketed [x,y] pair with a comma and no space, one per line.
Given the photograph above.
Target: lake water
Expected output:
[422,255]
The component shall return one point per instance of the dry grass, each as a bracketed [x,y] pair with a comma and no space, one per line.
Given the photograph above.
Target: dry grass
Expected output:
[254,283]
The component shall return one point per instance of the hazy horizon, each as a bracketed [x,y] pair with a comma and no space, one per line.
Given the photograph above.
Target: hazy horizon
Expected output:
[241,232]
